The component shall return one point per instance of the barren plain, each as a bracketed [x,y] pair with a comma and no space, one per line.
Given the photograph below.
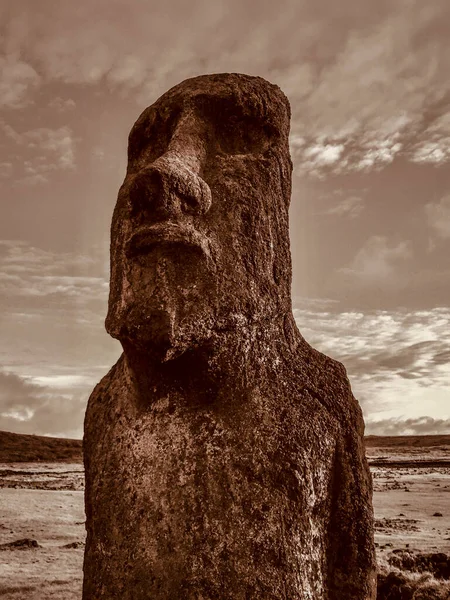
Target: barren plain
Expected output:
[42,521]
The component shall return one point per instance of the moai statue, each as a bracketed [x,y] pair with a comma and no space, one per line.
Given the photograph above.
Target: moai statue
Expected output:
[224,456]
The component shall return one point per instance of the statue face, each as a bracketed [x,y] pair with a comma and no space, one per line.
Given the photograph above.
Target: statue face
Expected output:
[199,238]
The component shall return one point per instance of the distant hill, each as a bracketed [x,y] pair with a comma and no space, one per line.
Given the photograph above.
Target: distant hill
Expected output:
[408,441]
[17,447]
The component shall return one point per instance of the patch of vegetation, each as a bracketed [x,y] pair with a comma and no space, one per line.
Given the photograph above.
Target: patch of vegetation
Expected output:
[406,441]
[16,589]
[23,544]
[398,585]
[16,447]
[436,563]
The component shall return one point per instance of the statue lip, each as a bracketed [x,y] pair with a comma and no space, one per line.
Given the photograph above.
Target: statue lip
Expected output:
[148,236]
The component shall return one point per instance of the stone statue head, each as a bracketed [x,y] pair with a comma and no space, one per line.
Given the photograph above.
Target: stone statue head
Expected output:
[199,237]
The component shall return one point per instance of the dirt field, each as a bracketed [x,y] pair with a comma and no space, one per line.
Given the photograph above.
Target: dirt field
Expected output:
[44,502]
[54,518]
[410,490]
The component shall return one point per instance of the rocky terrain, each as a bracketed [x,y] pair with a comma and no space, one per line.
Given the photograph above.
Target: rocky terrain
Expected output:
[42,522]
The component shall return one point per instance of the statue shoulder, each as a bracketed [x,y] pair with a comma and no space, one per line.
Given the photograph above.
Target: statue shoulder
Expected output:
[107,380]
[326,380]
[101,404]
[104,392]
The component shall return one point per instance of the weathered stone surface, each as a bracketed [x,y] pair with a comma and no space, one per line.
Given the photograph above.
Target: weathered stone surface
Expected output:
[224,456]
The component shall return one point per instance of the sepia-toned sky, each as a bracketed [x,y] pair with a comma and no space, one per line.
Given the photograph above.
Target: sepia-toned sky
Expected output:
[369,86]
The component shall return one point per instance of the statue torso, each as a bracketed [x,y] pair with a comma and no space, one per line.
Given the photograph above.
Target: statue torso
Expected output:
[206,500]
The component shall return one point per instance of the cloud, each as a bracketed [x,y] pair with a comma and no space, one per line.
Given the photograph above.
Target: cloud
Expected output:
[384,75]
[435,148]
[43,150]
[377,260]
[417,426]
[383,96]
[62,105]
[63,295]
[6,169]
[52,310]
[340,155]
[26,407]
[350,207]
[377,154]
[31,180]
[362,92]
[130,70]
[57,297]
[18,395]
[430,152]
[318,156]
[398,361]
[58,141]
[416,360]
[71,381]
[18,81]
[98,153]
[29,273]
[438,216]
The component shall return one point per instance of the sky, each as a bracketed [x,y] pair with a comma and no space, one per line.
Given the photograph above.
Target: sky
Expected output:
[369,87]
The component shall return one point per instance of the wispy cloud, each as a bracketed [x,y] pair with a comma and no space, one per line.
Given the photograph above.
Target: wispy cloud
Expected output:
[438,216]
[350,207]
[385,95]
[369,93]
[359,153]
[58,141]
[53,346]
[318,157]
[363,92]
[26,407]
[435,147]
[417,426]
[29,272]
[430,152]
[62,105]
[375,263]
[398,361]
[44,150]
[18,81]
[6,169]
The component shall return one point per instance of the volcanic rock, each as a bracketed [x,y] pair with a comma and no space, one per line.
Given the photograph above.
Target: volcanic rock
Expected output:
[224,456]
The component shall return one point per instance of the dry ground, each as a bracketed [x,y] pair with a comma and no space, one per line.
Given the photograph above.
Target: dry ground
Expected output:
[54,518]
[44,502]
[408,495]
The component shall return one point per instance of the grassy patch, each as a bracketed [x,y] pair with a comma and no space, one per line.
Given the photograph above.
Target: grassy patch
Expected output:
[401,585]
[406,441]
[16,589]
[16,447]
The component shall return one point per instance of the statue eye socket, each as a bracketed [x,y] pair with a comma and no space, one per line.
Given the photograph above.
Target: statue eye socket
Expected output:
[243,135]
[150,136]
[235,132]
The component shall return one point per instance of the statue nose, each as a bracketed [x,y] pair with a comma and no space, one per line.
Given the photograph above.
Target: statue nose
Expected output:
[172,186]
[168,189]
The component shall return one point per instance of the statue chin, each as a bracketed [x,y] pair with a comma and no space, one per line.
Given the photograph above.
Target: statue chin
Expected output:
[163,303]
[151,331]
[155,333]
